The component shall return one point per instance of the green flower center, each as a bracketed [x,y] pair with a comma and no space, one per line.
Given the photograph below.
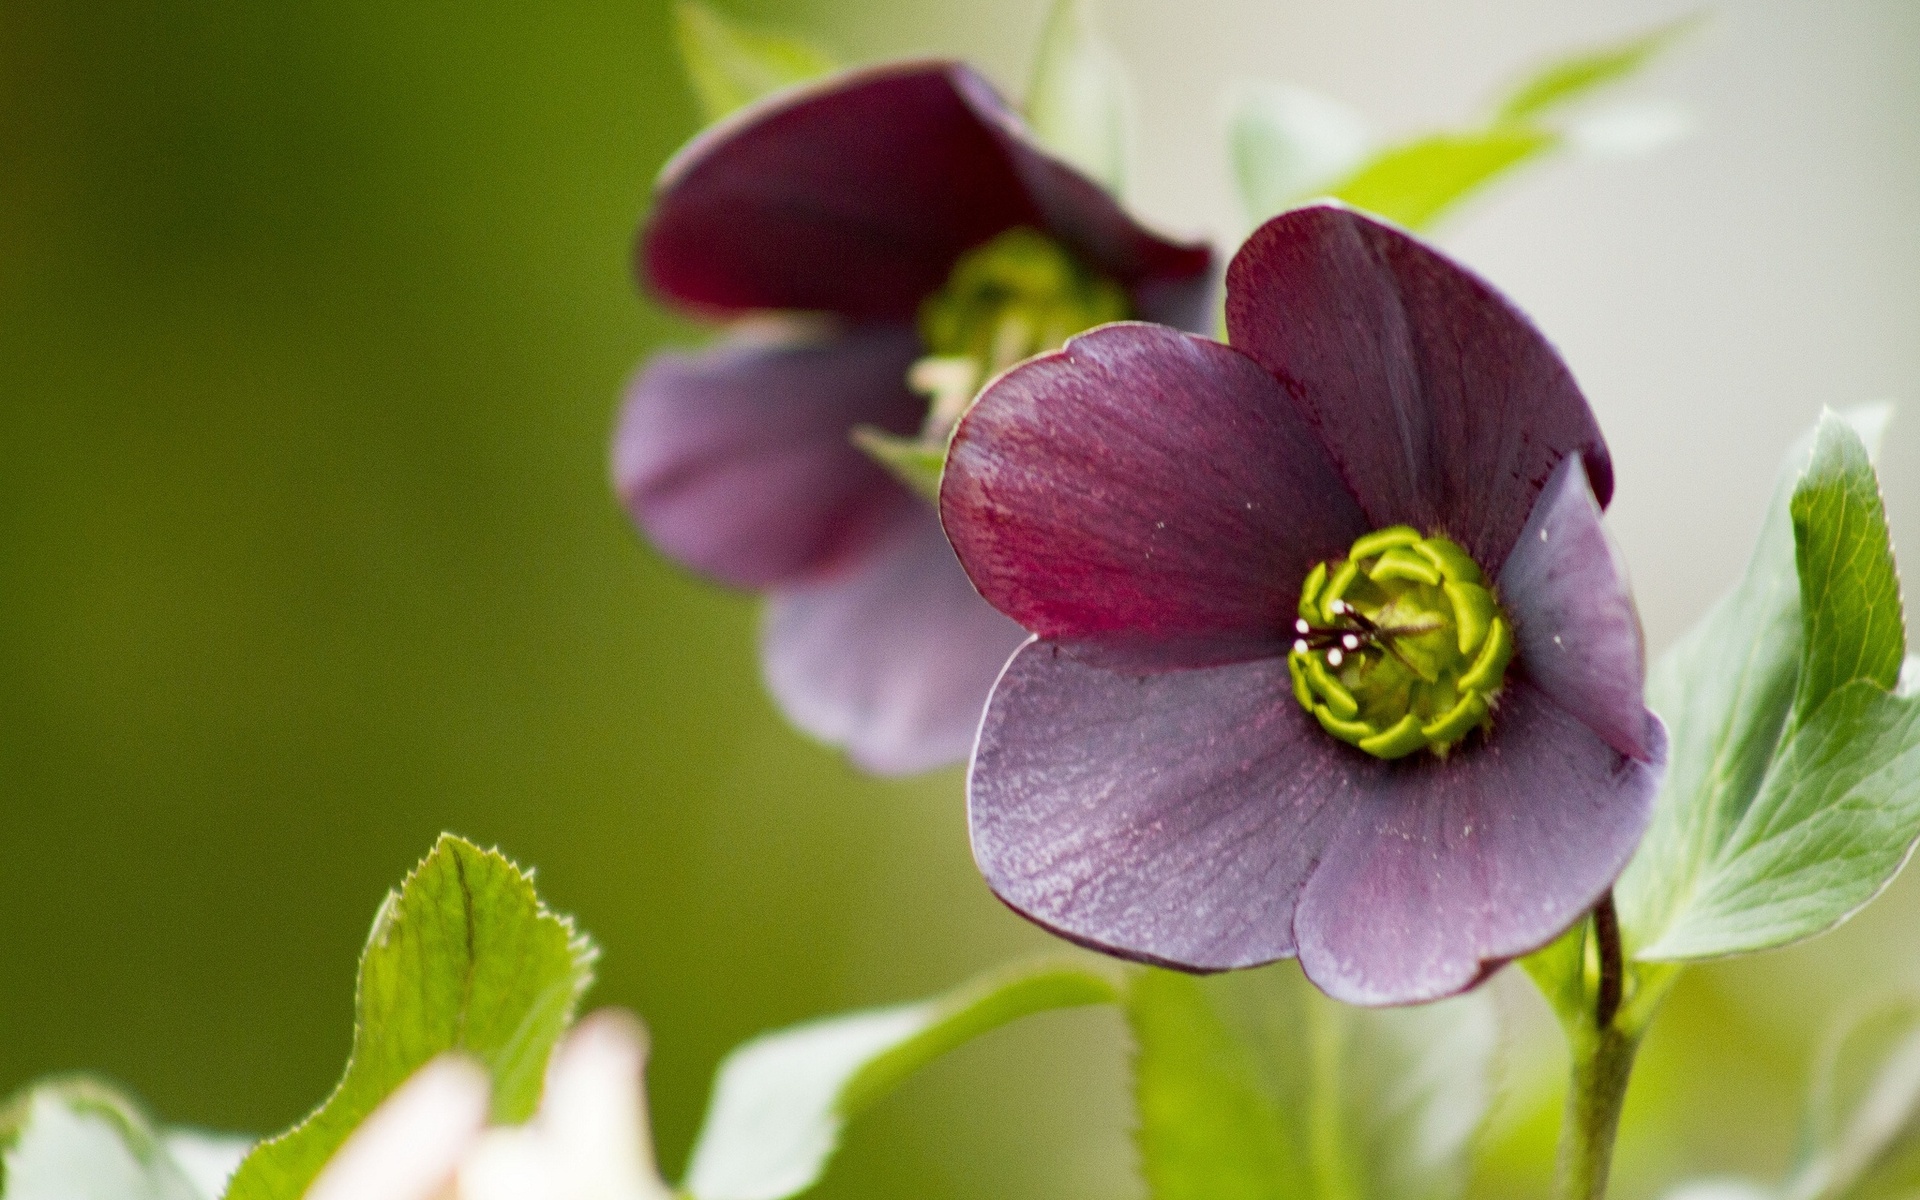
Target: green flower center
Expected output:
[1016,296]
[1400,646]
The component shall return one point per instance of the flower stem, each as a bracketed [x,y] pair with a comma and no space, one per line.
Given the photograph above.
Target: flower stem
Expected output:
[1602,1054]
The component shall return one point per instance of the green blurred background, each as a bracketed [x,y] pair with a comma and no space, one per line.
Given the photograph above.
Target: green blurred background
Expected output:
[312,321]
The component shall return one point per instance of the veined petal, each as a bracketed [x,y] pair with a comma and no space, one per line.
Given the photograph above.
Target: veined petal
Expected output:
[856,195]
[1148,497]
[891,658]
[1444,869]
[1576,630]
[737,461]
[1442,404]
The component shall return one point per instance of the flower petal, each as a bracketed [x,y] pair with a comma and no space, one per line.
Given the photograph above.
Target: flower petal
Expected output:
[1576,630]
[1444,869]
[1444,407]
[1170,818]
[410,1146]
[1148,497]
[737,462]
[892,658]
[856,195]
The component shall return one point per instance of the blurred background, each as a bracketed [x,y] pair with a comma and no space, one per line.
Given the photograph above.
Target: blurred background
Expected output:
[312,321]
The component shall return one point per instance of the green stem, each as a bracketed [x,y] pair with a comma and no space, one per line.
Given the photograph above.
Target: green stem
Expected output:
[1602,1048]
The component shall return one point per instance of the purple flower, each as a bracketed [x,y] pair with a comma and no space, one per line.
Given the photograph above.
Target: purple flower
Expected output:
[1332,658]
[915,221]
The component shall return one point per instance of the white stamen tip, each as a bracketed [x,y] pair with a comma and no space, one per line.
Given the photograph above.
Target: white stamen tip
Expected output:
[1339,606]
[1300,647]
[1351,642]
[1334,656]
[1301,626]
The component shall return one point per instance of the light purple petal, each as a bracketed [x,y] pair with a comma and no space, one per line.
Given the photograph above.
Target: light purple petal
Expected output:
[1576,631]
[857,194]
[737,462]
[1445,869]
[1150,497]
[1169,818]
[1444,407]
[892,658]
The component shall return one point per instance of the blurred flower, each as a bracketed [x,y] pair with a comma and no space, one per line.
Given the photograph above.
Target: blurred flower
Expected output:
[1273,707]
[889,223]
[590,1140]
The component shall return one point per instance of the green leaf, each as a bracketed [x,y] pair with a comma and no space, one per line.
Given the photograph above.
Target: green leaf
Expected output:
[731,66]
[1289,144]
[1077,98]
[81,1139]
[1577,75]
[781,1100]
[1253,1085]
[1413,184]
[912,461]
[1793,790]
[463,957]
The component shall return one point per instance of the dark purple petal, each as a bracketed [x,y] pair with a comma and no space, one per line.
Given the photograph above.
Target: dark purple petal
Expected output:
[892,658]
[1199,819]
[1150,497]
[1445,869]
[856,195]
[737,460]
[1444,407]
[1169,818]
[1576,632]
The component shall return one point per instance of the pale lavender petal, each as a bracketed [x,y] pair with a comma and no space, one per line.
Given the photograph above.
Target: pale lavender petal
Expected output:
[1149,497]
[1444,407]
[1443,870]
[891,658]
[737,461]
[1577,633]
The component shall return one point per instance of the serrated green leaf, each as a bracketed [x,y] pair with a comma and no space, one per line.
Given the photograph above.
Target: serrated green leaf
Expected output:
[1413,184]
[1793,790]
[781,1100]
[912,461]
[1290,144]
[463,957]
[1253,1085]
[732,65]
[1568,79]
[82,1139]
[1077,98]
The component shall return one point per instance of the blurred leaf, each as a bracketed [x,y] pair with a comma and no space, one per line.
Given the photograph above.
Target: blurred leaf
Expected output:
[1863,1117]
[1793,789]
[1255,1085]
[780,1100]
[731,65]
[1567,79]
[463,957]
[208,1159]
[81,1139]
[1559,970]
[1289,144]
[1077,98]
[1627,130]
[911,460]
[1415,183]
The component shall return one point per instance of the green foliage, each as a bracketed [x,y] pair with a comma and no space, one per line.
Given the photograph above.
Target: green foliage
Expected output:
[912,461]
[1415,183]
[1572,78]
[781,1100]
[731,65]
[81,1139]
[1254,1085]
[1288,143]
[1793,791]
[463,957]
[1077,98]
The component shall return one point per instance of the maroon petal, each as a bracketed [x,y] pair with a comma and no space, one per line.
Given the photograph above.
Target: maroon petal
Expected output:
[1147,496]
[892,658]
[1169,818]
[1442,870]
[856,195]
[737,461]
[1576,631]
[1445,408]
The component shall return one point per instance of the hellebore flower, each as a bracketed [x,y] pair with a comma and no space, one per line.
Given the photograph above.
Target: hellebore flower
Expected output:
[911,219]
[1332,657]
